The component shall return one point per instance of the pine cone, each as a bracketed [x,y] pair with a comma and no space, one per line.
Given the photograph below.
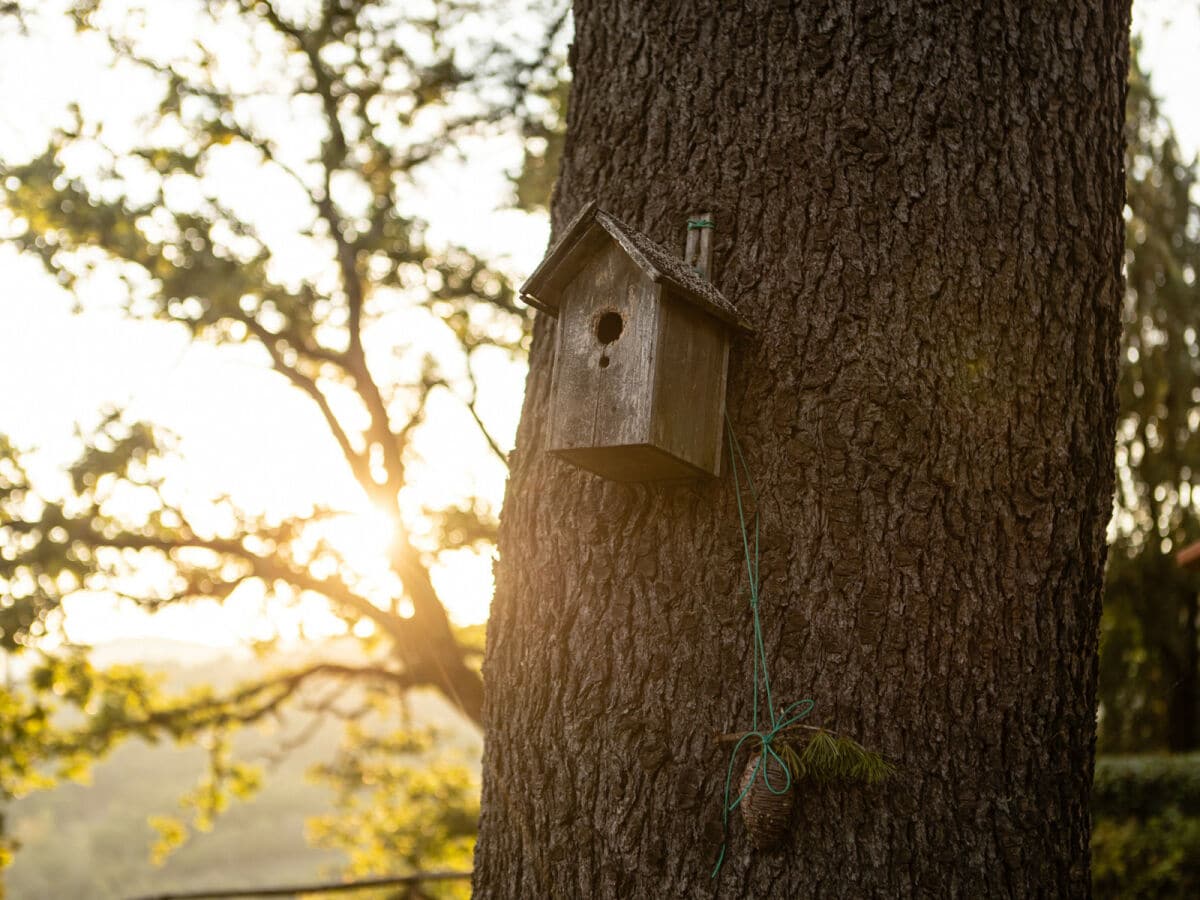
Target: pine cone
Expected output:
[766,814]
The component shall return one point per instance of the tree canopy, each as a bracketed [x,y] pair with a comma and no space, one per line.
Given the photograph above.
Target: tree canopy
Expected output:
[269,198]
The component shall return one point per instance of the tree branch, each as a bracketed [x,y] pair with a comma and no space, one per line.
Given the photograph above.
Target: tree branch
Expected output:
[358,462]
[335,589]
[229,710]
[333,155]
[471,405]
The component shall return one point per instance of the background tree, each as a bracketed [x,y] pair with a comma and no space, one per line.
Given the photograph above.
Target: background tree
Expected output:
[1150,650]
[433,828]
[336,109]
[919,210]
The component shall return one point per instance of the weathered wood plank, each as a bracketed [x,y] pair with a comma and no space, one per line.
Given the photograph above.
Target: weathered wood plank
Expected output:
[689,388]
[603,389]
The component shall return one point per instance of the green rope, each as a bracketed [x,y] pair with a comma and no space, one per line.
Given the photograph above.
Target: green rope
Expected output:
[694,224]
[788,716]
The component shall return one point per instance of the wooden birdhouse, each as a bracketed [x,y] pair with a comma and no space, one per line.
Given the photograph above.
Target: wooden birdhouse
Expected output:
[642,351]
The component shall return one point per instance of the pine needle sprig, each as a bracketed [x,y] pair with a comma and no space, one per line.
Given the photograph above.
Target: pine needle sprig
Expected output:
[826,757]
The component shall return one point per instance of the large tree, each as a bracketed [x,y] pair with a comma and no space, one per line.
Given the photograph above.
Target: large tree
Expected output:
[267,200]
[918,207]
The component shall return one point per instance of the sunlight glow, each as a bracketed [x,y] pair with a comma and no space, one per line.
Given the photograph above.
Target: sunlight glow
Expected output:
[363,539]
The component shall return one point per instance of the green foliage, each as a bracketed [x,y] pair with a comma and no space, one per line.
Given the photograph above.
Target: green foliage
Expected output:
[1146,830]
[39,747]
[370,94]
[1156,858]
[1145,786]
[90,839]
[1150,662]
[825,757]
[71,714]
[403,805]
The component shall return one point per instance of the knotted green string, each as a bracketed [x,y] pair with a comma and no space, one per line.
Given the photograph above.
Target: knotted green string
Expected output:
[786,717]
[694,224]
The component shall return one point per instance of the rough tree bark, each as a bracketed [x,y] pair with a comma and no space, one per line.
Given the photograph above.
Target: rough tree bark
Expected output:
[919,209]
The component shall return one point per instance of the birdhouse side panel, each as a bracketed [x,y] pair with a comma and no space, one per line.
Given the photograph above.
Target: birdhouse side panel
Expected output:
[604,361]
[690,381]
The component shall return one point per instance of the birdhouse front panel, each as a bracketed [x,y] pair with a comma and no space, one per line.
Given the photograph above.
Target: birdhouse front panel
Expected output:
[604,362]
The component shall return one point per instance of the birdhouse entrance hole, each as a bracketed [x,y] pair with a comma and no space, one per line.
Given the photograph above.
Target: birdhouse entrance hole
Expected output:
[609,327]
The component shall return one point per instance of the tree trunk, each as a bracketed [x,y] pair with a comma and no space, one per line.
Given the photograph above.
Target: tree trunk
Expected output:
[919,209]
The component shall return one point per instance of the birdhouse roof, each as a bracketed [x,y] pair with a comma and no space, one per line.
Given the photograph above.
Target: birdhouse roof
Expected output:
[591,227]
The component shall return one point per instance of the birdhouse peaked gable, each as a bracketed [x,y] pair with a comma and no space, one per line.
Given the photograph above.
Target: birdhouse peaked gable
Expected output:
[591,227]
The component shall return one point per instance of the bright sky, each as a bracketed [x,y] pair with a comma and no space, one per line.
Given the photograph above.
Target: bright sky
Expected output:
[1170,32]
[243,430]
